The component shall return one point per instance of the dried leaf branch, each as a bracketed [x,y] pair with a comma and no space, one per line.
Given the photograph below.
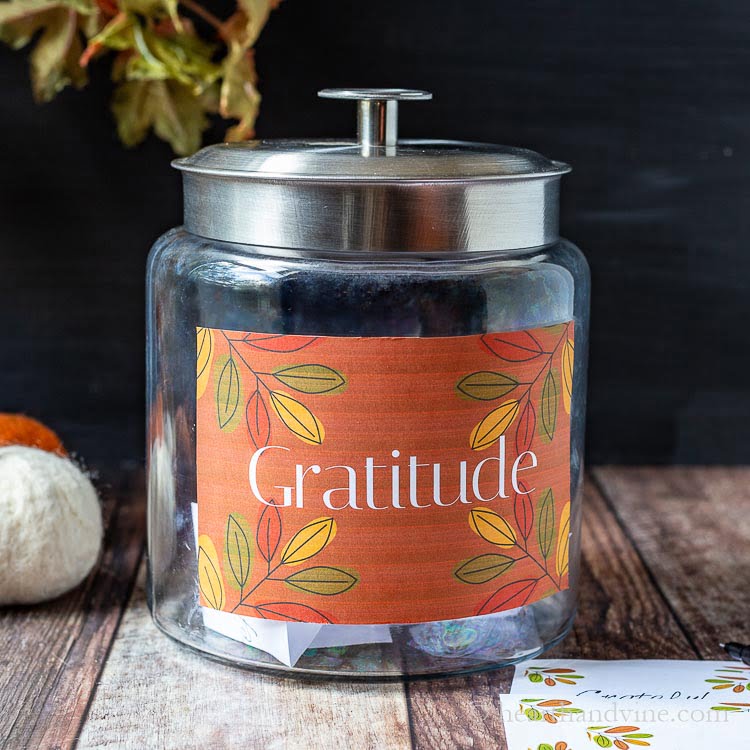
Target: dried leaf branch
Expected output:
[174,63]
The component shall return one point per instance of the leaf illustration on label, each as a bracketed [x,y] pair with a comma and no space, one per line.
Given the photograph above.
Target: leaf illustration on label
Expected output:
[483,568]
[308,541]
[486,385]
[209,573]
[204,358]
[523,510]
[526,427]
[493,426]
[268,534]
[563,542]
[322,580]
[238,551]
[545,528]
[310,378]
[515,346]
[548,405]
[568,358]
[258,422]
[291,612]
[277,342]
[285,562]
[228,393]
[510,596]
[492,527]
[297,418]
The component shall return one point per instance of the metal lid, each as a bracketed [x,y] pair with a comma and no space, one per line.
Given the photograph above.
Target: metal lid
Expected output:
[375,193]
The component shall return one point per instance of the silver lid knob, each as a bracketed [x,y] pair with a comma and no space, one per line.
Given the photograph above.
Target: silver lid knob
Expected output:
[377,114]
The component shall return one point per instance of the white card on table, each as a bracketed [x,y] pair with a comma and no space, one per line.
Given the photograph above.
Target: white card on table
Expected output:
[572,704]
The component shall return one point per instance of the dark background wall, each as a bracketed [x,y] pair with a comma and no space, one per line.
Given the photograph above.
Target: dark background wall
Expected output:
[650,102]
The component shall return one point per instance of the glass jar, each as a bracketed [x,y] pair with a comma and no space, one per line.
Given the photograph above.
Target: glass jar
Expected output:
[366,392]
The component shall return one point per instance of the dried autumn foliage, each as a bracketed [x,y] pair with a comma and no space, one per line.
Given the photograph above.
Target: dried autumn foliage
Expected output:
[174,63]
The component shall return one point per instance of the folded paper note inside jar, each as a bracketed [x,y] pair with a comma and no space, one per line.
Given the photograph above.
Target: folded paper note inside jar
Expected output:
[573,704]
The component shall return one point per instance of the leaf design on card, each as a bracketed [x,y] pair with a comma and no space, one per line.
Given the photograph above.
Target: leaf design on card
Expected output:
[622,729]
[622,737]
[736,678]
[733,707]
[551,677]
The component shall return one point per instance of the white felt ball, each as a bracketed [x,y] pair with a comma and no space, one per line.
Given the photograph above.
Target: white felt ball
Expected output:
[50,525]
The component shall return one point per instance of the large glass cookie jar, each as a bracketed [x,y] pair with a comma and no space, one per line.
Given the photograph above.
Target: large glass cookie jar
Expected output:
[366,396]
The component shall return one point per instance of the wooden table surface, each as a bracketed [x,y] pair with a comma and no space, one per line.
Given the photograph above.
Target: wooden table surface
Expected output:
[666,557]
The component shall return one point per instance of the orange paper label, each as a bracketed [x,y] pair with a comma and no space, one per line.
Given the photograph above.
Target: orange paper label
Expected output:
[382,480]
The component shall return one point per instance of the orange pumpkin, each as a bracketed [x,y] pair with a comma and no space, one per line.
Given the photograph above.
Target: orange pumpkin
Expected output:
[18,429]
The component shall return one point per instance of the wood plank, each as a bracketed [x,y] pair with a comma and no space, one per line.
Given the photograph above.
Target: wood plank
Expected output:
[620,615]
[692,527]
[459,712]
[53,653]
[154,693]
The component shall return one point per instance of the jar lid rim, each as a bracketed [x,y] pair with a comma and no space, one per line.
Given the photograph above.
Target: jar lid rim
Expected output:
[338,160]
